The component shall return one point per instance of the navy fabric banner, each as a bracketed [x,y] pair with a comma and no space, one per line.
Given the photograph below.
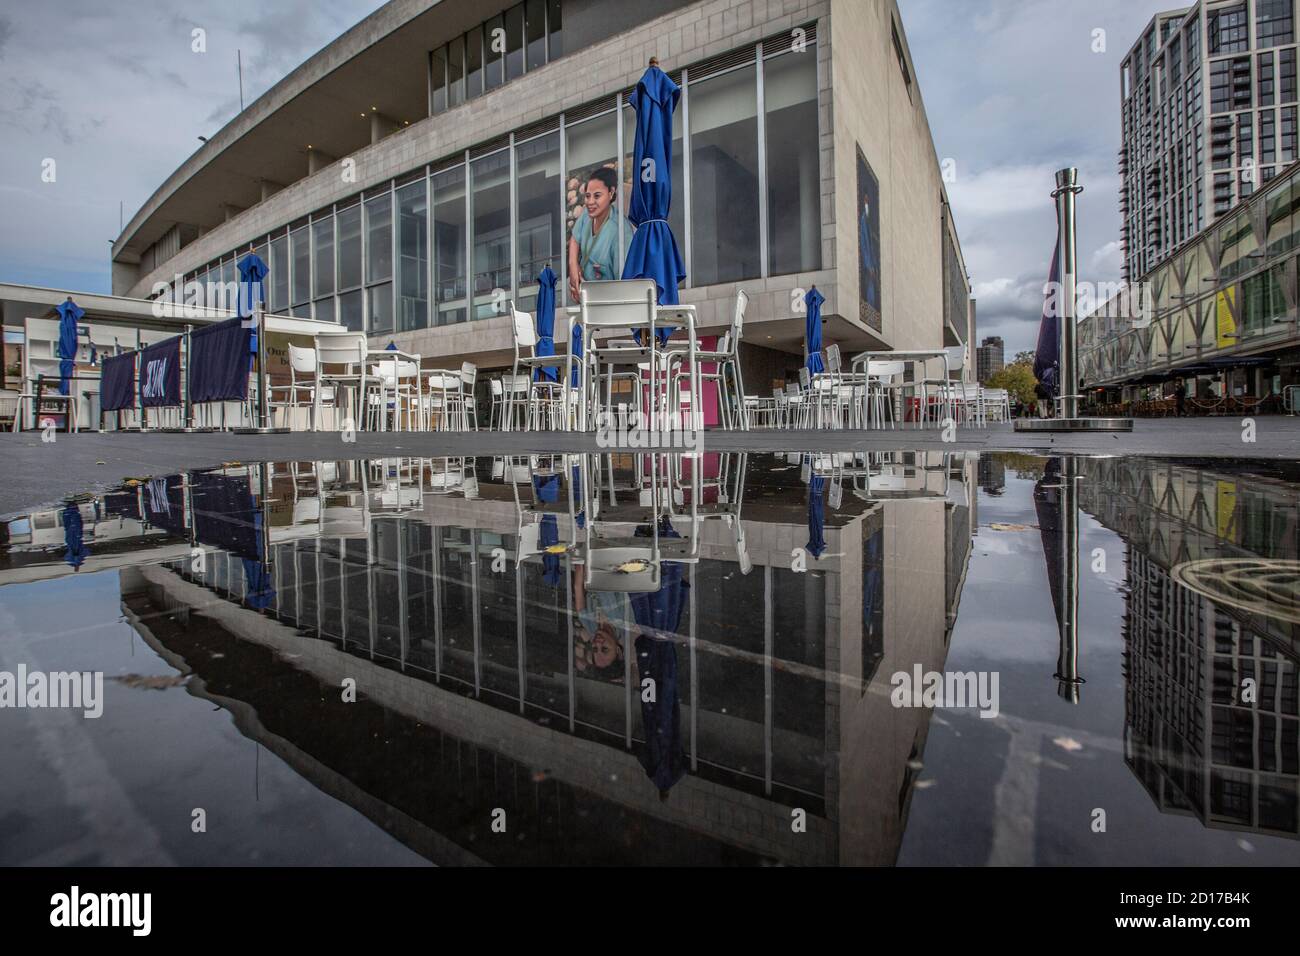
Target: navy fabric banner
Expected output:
[117,383]
[219,362]
[160,374]
[164,504]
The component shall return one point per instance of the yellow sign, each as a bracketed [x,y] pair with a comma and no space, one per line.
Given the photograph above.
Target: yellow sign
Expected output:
[1225,507]
[1225,326]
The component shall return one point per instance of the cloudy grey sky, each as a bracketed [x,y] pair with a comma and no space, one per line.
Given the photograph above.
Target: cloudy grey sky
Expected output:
[115,95]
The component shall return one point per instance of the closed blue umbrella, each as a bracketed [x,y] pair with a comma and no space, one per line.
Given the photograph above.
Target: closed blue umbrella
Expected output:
[546,324]
[653,252]
[816,516]
[252,273]
[72,532]
[252,289]
[69,314]
[812,331]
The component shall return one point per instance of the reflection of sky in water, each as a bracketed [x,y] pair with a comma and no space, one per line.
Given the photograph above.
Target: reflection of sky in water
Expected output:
[1018,789]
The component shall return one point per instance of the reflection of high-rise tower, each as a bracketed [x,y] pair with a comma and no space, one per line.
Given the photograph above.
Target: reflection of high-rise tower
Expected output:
[1198,742]
[1193,736]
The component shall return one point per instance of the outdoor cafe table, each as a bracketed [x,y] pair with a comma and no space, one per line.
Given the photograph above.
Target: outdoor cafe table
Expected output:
[860,364]
[395,356]
[666,316]
[445,380]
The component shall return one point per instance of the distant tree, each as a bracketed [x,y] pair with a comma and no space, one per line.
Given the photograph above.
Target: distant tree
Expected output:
[1025,358]
[1017,378]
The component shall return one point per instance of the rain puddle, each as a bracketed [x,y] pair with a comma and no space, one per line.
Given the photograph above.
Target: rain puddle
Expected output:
[912,658]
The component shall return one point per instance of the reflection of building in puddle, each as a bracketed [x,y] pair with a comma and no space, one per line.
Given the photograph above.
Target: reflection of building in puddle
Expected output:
[455,611]
[1211,724]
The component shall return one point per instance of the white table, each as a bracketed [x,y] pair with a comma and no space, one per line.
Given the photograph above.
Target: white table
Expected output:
[923,356]
[396,355]
[666,316]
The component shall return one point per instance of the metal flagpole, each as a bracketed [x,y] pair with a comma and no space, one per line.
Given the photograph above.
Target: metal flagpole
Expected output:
[1068,420]
[1067,661]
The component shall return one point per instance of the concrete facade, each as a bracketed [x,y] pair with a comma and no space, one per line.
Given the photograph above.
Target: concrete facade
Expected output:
[864,100]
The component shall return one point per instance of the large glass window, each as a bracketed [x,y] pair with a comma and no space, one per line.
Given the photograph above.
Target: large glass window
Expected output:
[724,178]
[438,80]
[494,54]
[379,261]
[379,238]
[412,257]
[349,242]
[350,311]
[491,210]
[794,229]
[300,248]
[539,213]
[554,30]
[535,32]
[515,41]
[593,201]
[278,299]
[322,243]
[474,63]
[456,72]
[449,245]
[1274,23]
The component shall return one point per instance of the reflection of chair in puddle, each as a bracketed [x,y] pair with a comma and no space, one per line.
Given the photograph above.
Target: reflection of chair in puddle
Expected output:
[445,476]
[393,485]
[901,475]
[623,539]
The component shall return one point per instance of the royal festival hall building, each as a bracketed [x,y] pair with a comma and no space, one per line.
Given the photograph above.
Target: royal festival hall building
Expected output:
[417,174]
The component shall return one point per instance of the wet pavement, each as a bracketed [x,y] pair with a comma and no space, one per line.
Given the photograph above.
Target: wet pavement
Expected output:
[836,658]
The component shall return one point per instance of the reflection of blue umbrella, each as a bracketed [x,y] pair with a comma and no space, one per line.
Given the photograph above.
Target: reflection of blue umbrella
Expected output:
[664,758]
[260,592]
[546,324]
[812,330]
[816,516]
[546,487]
[577,496]
[69,314]
[548,536]
[653,253]
[77,553]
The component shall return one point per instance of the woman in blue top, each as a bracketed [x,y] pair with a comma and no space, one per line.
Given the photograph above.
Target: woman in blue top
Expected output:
[593,246]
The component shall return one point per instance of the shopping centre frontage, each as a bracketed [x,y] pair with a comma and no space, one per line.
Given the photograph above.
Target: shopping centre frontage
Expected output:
[1219,316]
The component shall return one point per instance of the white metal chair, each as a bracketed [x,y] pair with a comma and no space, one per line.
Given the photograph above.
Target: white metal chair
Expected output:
[393,385]
[345,352]
[525,340]
[727,359]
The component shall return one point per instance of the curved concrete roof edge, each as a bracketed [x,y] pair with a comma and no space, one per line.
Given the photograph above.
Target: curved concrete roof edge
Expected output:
[387,19]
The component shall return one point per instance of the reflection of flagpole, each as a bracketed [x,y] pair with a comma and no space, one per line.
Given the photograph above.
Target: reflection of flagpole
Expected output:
[1067,660]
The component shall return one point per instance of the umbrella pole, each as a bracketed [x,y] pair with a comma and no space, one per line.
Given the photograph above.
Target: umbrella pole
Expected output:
[263,427]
